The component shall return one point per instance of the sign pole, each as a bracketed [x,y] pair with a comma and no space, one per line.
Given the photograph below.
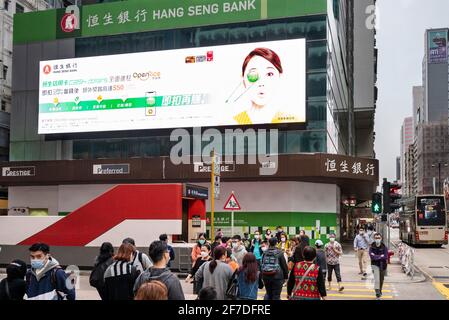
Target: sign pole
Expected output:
[232,222]
[212,200]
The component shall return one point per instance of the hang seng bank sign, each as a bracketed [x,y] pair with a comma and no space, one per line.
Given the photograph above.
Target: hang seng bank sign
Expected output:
[144,15]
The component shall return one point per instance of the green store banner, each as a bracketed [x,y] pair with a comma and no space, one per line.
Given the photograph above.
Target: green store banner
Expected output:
[151,15]
[316,225]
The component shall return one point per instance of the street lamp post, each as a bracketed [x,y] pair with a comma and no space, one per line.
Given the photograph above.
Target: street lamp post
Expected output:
[439,175]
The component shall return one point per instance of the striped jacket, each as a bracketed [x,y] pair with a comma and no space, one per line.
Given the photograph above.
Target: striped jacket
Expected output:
[119,280]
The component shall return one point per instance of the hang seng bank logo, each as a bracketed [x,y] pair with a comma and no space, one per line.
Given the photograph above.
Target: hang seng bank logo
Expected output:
[71,19]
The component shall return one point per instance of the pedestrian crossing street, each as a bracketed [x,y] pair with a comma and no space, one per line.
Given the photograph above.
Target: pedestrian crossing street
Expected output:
[359,290]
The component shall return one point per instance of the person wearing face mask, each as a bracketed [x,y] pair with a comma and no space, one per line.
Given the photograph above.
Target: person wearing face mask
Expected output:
[216,273]
[256,247]
[231,260]
[333,251]
[268,235]
[238,249]
[279,230]
[246,241]
[46,280]
[205,257]
[361,246]
[160,256]
[378,253]
[196,250]
[284,245]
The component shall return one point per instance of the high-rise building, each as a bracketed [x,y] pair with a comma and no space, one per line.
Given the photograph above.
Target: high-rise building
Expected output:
[436,75]
[398,168]
[418,108]
[406,141]
[429,153]
[432,156]
[94,115]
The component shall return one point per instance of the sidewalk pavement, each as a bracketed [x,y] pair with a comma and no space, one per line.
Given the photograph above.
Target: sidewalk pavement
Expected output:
[350,268]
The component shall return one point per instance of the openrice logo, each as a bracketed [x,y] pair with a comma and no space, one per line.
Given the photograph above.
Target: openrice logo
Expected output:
[149,75]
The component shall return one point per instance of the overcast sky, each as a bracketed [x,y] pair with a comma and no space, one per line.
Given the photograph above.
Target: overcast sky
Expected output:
[400,39]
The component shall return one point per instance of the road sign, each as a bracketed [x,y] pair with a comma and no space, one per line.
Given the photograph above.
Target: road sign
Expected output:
[217,165]
[232,203]
[217,187]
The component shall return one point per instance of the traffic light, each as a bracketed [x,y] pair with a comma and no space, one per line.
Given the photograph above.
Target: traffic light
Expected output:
[376,203]
[395,196]
[391,196]
[386,196]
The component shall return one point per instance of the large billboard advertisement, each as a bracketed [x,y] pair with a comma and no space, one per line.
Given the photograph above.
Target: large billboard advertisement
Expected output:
[438,46]
[242,84]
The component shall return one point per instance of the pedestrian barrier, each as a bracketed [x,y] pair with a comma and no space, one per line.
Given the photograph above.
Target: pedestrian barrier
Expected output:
[406,256]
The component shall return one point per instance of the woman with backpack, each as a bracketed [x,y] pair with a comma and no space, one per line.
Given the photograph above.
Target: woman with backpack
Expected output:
[216,273]
[306,281]
[120,276]
[249,278]
[102,262]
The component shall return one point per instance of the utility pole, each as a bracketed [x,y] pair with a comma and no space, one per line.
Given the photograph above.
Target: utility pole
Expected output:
[212,197]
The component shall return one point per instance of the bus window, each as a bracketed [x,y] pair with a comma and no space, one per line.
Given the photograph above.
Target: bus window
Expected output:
[430,211]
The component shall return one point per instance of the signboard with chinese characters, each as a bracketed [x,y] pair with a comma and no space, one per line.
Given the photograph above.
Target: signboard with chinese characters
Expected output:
[143,15]
[348,167]
[195,87]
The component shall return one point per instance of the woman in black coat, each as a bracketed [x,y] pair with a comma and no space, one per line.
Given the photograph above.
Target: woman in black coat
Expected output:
[13,286]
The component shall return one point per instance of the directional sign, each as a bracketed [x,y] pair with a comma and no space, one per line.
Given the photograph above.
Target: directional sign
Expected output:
[217,187]
[217,165]
[232,203]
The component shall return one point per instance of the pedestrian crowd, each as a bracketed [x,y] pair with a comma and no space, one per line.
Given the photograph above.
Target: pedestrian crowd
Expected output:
[233,268]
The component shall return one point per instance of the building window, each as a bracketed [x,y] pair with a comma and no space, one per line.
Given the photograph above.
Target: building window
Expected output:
[6,5]
[3,105]
[19,8]
[5,72]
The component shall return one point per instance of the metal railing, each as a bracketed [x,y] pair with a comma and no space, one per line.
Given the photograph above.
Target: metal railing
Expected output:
[406,256]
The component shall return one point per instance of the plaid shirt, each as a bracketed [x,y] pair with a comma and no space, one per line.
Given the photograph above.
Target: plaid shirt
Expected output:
[332,257]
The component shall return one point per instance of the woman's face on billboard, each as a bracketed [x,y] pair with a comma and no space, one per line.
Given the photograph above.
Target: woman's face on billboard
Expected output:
[263,76]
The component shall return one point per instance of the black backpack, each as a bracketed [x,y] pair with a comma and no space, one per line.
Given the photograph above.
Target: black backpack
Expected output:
[96,278]
[270,263]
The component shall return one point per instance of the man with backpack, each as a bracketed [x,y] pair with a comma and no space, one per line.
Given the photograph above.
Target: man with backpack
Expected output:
[159,272]
[46,280]
[274,271]
[139,260]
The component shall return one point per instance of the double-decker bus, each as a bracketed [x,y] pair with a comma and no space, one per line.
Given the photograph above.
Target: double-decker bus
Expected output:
[423,220]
